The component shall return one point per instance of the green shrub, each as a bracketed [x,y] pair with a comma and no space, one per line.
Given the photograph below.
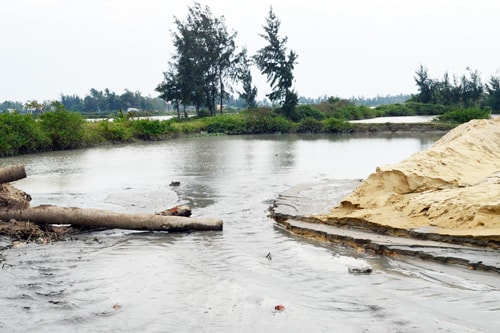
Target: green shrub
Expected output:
[20,134]
[307,111]
[395,110]
[62,127]
[91,136]
[344,109]
[116,131]
[353,112]
[334,125]
[147,129]
[268,124]
[463,115]
[189,126]
[228,124]
[310,125]
[424,109]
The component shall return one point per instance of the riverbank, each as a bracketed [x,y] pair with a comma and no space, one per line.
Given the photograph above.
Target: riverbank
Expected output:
[449,193]
[400,127]
[64,130]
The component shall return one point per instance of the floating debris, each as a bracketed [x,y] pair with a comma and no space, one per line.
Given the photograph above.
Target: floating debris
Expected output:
[181,210]
[360,270]
[279,307]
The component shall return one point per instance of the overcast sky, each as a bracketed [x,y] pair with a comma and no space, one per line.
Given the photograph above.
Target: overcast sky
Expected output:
[346,47]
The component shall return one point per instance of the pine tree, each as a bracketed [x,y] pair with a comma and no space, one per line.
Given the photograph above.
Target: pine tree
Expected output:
[273,61]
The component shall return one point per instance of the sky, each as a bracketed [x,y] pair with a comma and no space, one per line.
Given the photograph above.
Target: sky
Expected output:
[346,48]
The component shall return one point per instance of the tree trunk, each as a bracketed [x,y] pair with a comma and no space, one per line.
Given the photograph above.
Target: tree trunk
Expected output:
[12,173]
[95,218]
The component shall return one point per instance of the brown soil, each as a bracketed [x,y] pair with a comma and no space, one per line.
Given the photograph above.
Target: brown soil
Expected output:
[32,232]
[13,198]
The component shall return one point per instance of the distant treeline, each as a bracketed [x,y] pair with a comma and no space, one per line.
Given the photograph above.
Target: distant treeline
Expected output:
[96,102]
[105,102]
[465,91]
[381,100]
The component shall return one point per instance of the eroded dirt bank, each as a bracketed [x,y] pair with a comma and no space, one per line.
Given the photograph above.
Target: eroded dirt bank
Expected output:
[15,199]
[452,188]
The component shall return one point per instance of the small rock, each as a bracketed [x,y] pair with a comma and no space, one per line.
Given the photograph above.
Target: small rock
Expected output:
[175,183]
[18,244]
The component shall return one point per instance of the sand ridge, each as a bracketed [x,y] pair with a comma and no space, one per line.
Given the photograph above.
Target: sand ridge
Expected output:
[451,188]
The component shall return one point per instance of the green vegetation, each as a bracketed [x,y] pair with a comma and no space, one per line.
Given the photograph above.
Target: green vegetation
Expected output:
[207,64]
[63,128]
[112,131]
[96,104]
[60,129]
[273,61]
[204,64]
[21,134]
[380,100]
[201,75]
[464,92]
[464,115]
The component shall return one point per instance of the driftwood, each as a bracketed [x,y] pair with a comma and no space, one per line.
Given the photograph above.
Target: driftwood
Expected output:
[181,210]
[95,218]
[174,219]
[12,173]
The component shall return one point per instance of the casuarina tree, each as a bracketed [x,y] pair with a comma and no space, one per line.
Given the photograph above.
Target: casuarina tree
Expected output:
[274,62]
[249,92]
[204,61]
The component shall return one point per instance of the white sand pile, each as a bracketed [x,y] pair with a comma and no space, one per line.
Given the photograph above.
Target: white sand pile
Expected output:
[452,188]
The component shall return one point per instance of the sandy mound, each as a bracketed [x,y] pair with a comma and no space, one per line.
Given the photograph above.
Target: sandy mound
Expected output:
[12,198]
[452,188]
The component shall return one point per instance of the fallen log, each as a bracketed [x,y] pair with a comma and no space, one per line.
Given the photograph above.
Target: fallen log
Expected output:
[96,218]
[12,173]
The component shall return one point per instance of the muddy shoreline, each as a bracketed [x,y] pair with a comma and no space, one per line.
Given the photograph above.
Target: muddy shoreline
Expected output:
[374,128]
[295,209]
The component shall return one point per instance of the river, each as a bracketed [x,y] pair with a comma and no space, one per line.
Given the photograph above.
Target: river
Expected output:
[126,281]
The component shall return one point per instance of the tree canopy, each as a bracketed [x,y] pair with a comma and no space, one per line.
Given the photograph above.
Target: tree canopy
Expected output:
[249,92]
[273,61]
[466,91]
[205,61]
[206,64]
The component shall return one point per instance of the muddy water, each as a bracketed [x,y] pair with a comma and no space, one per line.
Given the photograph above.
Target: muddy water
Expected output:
[123,281]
